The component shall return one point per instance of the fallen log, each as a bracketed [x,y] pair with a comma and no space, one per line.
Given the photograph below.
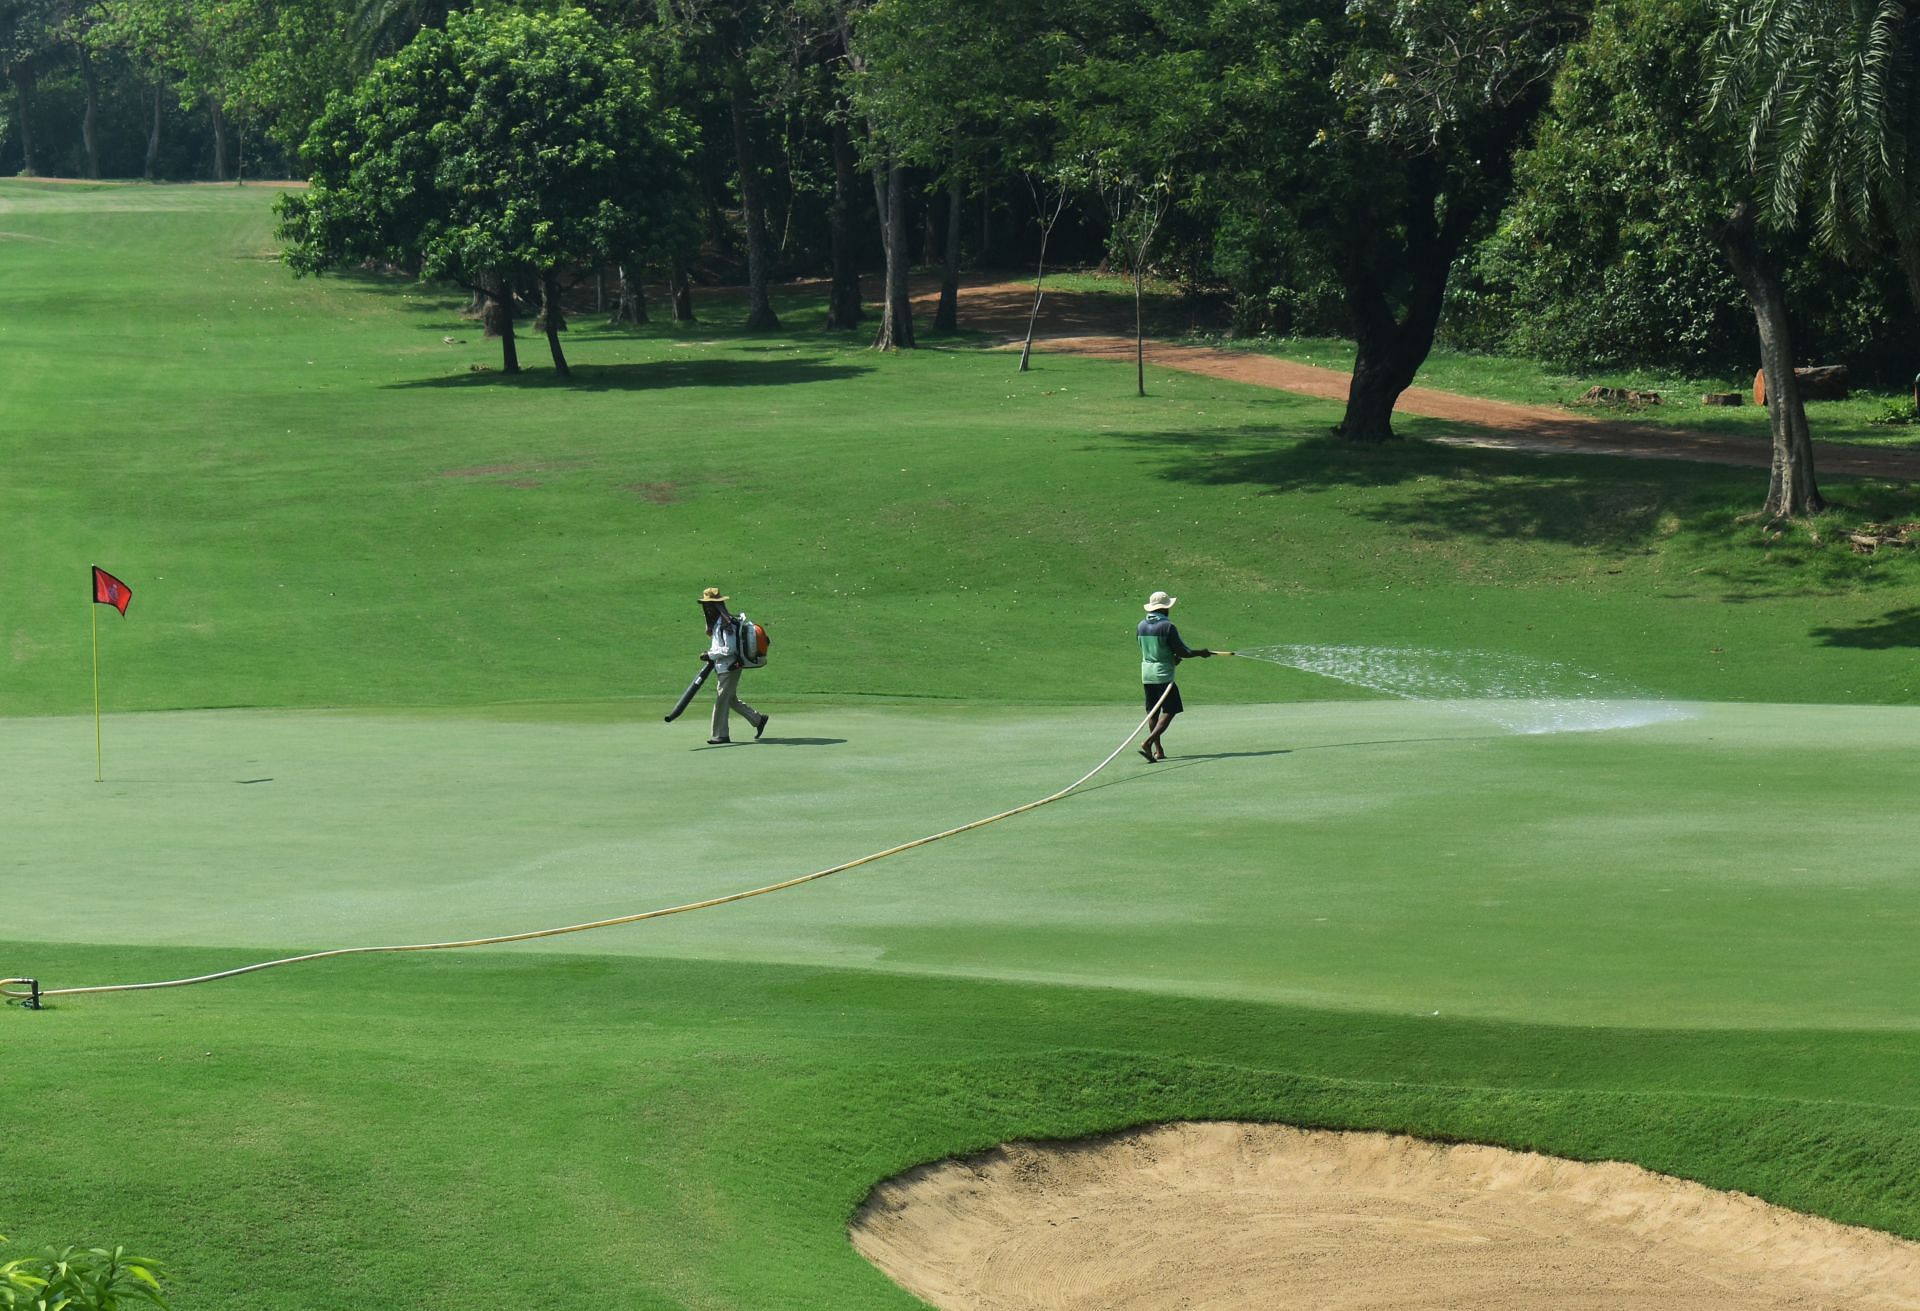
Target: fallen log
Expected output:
[1824,382]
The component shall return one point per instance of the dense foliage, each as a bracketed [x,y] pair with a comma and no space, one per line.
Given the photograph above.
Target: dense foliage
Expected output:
[496,153]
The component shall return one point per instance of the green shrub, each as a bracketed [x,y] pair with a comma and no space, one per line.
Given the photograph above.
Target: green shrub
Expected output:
[80,1279]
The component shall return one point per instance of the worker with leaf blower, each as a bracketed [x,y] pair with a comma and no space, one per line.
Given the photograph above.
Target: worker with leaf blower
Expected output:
[734,643]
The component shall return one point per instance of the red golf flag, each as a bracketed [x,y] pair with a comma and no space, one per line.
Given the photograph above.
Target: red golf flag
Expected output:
[108,590]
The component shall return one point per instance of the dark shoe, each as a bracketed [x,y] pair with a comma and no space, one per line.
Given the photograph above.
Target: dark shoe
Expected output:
[719,741]
[1148,753]
[760,727]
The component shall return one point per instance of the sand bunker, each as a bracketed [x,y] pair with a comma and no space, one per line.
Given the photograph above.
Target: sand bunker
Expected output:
[1262,1216]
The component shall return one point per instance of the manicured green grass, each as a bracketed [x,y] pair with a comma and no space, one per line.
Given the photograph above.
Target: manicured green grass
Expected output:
[317,503]
[1392,857]
[499,1130]
[1685,944]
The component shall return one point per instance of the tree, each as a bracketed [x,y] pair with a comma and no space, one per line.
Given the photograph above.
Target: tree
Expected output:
[1133,114]
[728,39]
[1431,100]
[1823,93]
[1629,161]
[497,153]
[960,88]
[27,37]
[203,50]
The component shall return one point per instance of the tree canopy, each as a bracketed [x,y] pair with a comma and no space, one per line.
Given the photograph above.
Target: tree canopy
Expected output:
[497,153]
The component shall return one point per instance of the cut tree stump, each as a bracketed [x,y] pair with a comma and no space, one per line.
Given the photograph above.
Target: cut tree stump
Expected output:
[1722,398]
[1824,382]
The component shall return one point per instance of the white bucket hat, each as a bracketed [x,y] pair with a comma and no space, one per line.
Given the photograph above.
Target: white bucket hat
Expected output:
[1160,601]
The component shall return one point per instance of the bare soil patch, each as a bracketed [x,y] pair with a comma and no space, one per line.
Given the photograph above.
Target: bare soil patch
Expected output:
[1081,323]
[1229,1216]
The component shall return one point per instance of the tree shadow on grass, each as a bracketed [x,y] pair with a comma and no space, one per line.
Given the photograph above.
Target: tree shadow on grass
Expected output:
[1896,628]
[1577,500]
[413,295]
[653,375]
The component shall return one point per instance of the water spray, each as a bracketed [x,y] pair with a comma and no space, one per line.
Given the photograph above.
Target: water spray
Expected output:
[1519,693]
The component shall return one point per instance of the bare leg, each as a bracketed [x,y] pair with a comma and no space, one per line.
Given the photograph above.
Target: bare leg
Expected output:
[1150,747]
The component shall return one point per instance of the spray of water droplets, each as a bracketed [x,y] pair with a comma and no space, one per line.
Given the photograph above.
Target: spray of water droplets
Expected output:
[1521,694]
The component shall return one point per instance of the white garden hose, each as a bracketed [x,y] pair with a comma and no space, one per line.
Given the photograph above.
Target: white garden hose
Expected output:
[28,990]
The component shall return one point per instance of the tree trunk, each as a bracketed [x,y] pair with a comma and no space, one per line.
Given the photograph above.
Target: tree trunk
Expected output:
[219,118]
[90,115]
[986,225]
[503,303]
[896,318]
[1791,490]
[760,315]
[1378,380]
[152,172]
[844,309]
[23,89]
[1391,346]
[946,318]
[682,283]
[629,298]
[555,320]
[1040,270]
[1139,335]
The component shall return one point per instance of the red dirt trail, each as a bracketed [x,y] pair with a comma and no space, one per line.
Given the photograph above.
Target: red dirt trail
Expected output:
[1081,323]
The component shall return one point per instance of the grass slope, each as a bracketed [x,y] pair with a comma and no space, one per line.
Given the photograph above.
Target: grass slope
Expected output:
[493,1131]
[1682,946]
[318,504]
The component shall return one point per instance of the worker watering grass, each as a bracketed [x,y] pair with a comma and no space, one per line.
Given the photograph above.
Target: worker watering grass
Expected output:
[1160,650]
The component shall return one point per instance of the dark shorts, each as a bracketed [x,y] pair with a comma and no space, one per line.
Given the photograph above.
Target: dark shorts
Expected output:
[1153,691]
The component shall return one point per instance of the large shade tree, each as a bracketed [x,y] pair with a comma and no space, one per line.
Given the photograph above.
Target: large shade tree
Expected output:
[1428,101]
[499,153]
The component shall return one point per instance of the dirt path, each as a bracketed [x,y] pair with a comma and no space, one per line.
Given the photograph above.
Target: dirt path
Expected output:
[1246,1217]
[1083,324]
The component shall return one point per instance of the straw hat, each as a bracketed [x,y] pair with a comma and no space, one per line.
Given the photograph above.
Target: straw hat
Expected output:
[1160,601]
[713,594]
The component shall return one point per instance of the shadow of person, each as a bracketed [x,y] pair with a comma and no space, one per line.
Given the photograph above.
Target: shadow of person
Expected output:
[1231,755]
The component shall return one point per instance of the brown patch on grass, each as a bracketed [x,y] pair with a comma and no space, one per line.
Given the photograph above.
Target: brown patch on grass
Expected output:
[484,471]
[655,493]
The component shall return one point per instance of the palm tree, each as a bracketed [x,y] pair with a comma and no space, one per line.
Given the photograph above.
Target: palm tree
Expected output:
[1823,92]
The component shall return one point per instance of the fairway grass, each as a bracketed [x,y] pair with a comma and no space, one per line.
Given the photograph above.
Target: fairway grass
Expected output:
[402,634]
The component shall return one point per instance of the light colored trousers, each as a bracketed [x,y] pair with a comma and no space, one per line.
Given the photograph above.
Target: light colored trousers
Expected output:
[726,697]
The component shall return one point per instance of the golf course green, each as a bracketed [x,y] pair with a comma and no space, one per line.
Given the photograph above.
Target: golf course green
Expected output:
[403,630]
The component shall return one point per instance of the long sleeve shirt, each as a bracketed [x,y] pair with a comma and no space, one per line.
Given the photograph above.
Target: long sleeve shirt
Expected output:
[1161,648]
[722,644]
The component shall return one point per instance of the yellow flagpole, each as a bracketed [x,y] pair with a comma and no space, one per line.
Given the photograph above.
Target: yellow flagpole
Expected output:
[98,771]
